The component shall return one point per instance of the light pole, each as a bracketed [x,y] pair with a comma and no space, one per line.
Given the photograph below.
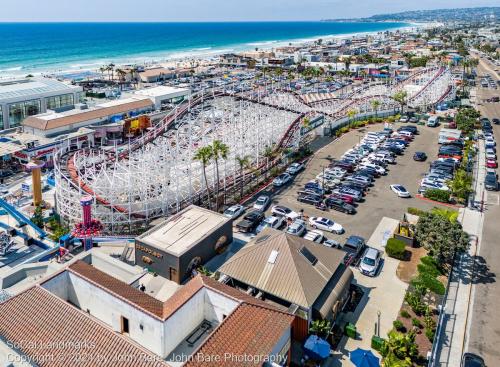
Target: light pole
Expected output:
[378,323]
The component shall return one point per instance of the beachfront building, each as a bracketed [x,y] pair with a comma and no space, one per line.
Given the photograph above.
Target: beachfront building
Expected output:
[180,244]
[124,314]
[292,272]
[162,95]
[21,98]
[52,123]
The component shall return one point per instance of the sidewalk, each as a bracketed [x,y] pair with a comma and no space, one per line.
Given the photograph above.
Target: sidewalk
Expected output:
[452,337]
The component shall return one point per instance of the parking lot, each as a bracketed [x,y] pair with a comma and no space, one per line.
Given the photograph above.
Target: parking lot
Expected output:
[379,201]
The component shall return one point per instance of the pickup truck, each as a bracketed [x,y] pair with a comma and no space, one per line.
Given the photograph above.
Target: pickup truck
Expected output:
[250,221]
[353,247]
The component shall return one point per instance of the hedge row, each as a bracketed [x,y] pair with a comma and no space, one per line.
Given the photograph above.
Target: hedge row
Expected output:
[395,248]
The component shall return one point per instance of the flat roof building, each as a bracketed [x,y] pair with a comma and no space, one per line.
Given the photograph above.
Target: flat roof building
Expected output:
[180,244]
[55,123]
[164,94]
[20,98]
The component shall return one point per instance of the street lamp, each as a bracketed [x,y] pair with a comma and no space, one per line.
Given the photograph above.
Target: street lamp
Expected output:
[378,323]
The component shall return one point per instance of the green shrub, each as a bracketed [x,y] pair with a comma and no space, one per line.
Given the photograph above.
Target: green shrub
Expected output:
[415,302]
[395,248]
[398,325]
[428,269]
[429,261]
[429,334]
[430,282]
[405,314]
[416,323]
[438,195]
[377,343]
[350,330]
[415,211]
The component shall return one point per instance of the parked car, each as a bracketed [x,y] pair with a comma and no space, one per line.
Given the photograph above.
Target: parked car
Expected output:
[297,228]
[282,179]
[370,262]
[262,203]
[491,163]
[472,360]
[400,191]
[315,236]
[345,198]
[340,205]
[419,156]
[326,225]
[332,244]
[234,211]
[491,181]
[271,222]
[250,221]
[309,198]
[295,168]
[354,247]
[283,211]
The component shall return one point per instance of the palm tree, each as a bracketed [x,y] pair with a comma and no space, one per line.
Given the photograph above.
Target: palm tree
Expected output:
[451,215]
[103,69]
[243,163]
[133,76]
[400,348]
[219,151]
[204,155]
[400,97]
[375,105]
[121,75]
[112,69]
[351,114]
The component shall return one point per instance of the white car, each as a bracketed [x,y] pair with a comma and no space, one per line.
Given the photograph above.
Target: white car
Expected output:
[283,211]
[378,169]
[400,191]
[326,225]
[314,236]
[490,154]
[262,203]
[370,262]
[297,228]
[295,168]
[271,222]
[282,179]
[234,211]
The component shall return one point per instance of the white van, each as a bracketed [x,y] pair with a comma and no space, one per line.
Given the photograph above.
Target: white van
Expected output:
[433,121]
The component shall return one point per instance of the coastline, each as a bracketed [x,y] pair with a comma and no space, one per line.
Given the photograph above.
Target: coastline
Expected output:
[186,57]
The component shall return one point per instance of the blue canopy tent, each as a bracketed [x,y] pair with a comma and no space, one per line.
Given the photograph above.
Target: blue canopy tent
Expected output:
[316,348]
[364,358]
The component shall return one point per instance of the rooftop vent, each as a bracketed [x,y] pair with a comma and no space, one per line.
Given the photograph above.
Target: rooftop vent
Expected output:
[272,257]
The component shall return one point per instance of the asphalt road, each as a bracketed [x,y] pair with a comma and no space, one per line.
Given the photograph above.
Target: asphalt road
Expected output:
[380,201]
[484,332]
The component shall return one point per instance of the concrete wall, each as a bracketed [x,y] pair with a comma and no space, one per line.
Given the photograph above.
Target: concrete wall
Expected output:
[217,306]
[109,309]
[59,285]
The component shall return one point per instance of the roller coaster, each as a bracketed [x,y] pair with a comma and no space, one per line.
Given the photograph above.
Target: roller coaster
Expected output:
[156,175]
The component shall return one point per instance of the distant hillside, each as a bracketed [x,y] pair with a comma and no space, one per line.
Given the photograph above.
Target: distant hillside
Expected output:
[438,15]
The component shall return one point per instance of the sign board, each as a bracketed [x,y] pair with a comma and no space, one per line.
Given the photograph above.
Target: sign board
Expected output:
[25,187]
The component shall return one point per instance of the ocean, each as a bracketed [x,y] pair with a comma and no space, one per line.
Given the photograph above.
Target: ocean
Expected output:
[55,47]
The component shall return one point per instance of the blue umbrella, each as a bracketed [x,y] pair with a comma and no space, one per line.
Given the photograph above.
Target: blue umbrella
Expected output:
[317,348]
[364,358]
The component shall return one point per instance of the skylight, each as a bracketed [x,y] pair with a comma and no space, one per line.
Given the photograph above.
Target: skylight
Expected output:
[272,257]
[308,255]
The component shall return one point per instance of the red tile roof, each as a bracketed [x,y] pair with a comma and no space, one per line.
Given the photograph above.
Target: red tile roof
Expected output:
[151,305]
[118,288]
[249,331]
[48,331]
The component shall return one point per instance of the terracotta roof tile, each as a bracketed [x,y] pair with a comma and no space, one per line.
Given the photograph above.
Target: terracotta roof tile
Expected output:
[48,330]
[118,288]
[250,330]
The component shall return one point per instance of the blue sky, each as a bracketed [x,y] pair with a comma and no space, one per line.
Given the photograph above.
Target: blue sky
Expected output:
[212,10]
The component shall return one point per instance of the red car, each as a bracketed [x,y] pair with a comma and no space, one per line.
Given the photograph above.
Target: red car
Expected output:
[345,198]
[491,163]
